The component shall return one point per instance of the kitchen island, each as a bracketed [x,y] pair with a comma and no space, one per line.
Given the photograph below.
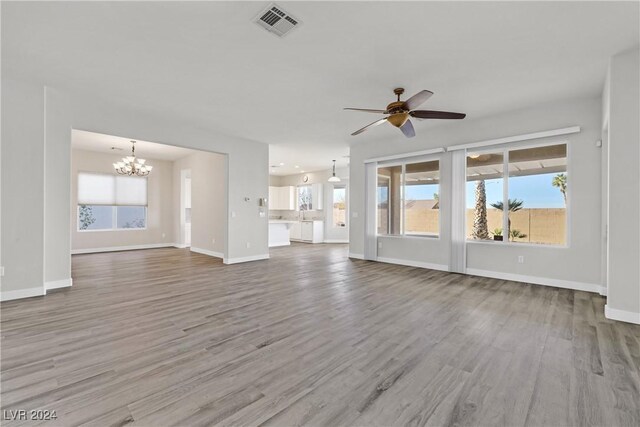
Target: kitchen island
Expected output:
[279,232]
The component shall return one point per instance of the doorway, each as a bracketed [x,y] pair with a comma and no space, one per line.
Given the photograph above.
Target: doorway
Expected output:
[185,206]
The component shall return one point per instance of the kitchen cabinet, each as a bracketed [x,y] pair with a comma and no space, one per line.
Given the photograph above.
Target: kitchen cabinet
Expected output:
[316,196]
[308,231]
[282,198]
[295,232]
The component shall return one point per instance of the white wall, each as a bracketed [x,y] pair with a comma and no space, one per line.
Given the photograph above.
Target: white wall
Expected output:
[208,201]
[159,211]
[621,112]
[331,233]
[579,262]
[26,139]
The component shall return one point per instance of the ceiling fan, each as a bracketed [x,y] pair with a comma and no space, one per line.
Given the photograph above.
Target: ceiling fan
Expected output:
[400,111]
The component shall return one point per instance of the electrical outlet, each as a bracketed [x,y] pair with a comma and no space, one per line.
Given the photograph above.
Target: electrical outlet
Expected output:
[213,241]
[233,214]
[520,259]
[248,245]
[164,235]
[1,271]
[379,245]
[354,214]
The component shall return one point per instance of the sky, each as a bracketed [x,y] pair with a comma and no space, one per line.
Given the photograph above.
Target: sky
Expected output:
[535,190]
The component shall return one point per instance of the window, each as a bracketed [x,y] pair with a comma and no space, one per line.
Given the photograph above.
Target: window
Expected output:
[534,192]
[107,202]
[408,199]
[305,198]
[339,206]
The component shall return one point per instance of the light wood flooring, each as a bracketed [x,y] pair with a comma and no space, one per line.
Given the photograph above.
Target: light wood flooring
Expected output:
[169,337]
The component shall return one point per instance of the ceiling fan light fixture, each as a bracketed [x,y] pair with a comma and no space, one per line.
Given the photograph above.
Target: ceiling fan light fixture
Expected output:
[333,177]
[399,113]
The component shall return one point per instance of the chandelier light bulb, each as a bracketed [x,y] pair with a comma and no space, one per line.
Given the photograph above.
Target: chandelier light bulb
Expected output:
[132,166]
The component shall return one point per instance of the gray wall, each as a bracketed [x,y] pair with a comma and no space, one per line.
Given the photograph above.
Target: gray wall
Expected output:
[621,108]
[579,262]
[208,200]
[23,174]
[26,139]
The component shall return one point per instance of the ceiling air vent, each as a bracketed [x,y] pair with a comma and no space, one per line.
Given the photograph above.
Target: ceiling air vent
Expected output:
[275,20]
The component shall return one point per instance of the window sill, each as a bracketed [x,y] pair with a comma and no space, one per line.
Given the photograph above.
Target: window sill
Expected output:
[517,244]
[111,229]
[410,236]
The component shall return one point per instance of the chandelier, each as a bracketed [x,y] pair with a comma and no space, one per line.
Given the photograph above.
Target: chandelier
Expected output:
[132,166]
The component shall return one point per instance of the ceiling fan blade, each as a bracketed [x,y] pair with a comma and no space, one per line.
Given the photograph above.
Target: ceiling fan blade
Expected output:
[418,99]
[376,123]
[407,129]
[429,114]
[367,110]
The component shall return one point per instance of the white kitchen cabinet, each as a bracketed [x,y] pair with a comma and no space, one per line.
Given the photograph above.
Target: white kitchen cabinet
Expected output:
[307,231]
[295,232]
[317,196]
[282,198]
[288,197]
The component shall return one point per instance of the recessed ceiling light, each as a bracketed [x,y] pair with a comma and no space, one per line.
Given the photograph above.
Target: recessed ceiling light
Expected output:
[302,171]
[296,166]
[281,164]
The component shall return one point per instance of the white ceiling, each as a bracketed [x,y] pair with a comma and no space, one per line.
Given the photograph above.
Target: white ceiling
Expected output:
[102,143]
[208,63]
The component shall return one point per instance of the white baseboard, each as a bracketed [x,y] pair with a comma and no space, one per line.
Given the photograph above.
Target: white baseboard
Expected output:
[246,259]
[409,263]
[558,283]
[355,255]
[207,252]
[336,241]
[180,245]
[22,293]
[621,315]
[56,284]
[603,291]
[121,248]
[278,245]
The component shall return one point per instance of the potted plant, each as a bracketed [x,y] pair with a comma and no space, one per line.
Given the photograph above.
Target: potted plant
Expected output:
[497,234]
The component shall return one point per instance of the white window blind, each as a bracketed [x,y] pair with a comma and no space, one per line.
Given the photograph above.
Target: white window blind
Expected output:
[109,190]
[131,191]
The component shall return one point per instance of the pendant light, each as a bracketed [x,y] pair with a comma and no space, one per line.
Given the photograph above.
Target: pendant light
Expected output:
[333,177]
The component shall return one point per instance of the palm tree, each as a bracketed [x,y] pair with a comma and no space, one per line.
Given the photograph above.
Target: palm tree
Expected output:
[480,230]
[560,181]
[514,206]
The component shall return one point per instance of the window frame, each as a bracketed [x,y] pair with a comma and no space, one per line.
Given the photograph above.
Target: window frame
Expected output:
[403,163]
[346,206]
[114,219]
[298,187]
[504,149]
